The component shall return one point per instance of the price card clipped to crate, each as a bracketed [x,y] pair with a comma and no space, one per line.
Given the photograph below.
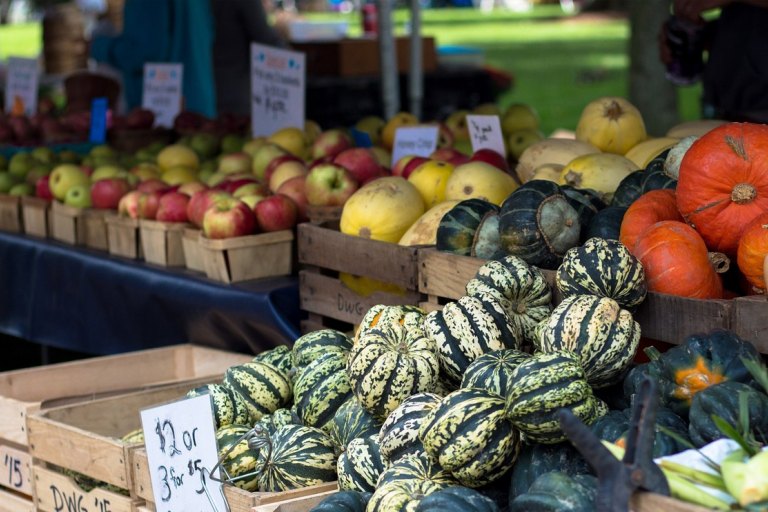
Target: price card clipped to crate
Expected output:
[180,439]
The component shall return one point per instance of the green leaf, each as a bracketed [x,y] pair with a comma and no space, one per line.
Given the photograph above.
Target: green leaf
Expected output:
[730,432]
[758,371]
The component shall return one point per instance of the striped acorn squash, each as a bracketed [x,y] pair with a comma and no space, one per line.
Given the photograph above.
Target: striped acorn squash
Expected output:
[544,384]
[228,407]
[320,389]
[457,498]
[469,434]
[382,315]
[606,223]
[442,388]
[263,387]
[538,224]
[237,459]
[604,336]
[456,231]
[468,328]
[294,456]
[343,501]
[399,435]
[316,343]
[419,467]
[492,372]
[723,400]
[521,289]
[388,365]
[604,268]
[360,466]
[280,357]
[277,419]
[351,421]
[401,496]
[134,436]
[558,492]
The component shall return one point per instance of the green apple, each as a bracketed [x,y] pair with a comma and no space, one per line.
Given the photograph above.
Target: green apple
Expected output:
[132,179]
[145,156]
[22,189]
[206,145]
[7,181]
[68,156]
[65,176]
[79,196]
[102,151]
[232,143]
[205,175]
[44,155]
[100,161]
[20,164]
[106,171]
[37,172]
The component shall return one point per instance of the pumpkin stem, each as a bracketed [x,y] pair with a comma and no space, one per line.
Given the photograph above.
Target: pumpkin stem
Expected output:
[719,261]
[572,178]
[743,193]
[652,353]
[613,110]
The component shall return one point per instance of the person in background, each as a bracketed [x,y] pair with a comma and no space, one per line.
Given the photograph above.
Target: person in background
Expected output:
[735,76]
[163,31]
[238,24]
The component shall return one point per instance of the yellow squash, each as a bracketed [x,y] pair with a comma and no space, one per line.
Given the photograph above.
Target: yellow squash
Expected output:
[612,124]
[602,172]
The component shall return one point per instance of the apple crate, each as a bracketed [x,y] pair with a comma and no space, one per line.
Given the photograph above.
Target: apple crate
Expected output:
[161,242]
[248,257]
[28,391]
[329,216]
[123,237]
[324,253]
[193,250]
[35,213]
[10,213]
[79,226]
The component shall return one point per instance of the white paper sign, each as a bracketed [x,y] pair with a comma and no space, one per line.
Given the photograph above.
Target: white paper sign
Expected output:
[162,91]
[414,140]
[485,133]
[21,86]
[180,438]
[277,89]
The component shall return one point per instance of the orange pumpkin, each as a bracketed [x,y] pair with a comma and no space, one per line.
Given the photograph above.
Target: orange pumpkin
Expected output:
[753,248]
[648,209]
[723,183]
[676,262]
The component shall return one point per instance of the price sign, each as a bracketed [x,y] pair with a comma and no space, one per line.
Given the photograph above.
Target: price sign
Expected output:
[485,133]
[277,89]
[180,439]
[15,469]
[162,91]
[414,140]
[21,86]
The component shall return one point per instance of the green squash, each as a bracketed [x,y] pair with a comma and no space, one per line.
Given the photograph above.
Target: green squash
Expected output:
[723,400]
[320,388]
[537,459]
[586,202]
[237,459]
[457,498]
[263,387]
[281,357]
[228,407]
[604,268]
[558,492]
[538,224]
[606,223]
[416,467]
[360,466]
[399,435]
[401,495]
[382,315]
[613,427]
[492,372]
[343,501]
[456,231]
[655,178]
[316,343]
[351,421]
[629,189]
[487,242]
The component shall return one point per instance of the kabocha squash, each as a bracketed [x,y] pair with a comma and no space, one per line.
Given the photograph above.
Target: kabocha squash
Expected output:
[468,328]
[611,124]
[456,232]
[457,498]
[263,387]
[753,249]
[521,289]
[676,262]
[237,459]
[469,434]
[545,384]
[492,372]
[351,421]
[586,202]
[655,178]
[320,389]
[389,364]
[614,425]
[416,467]
[606,223]
[294,456]
[228,407]
[487,242]
[650,208]
[312,345]
[601,172]
[381,315]
[537,459]
[604,268]
[640,182]
[280,357]
[604,336]
[723,183]
[359,467]
[343,501]
[558,492]
[399,435]
[723,400]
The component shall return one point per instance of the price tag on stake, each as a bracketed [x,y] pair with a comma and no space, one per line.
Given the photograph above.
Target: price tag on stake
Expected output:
[180,438]
[414,140]
[21,81]
[485,133]
[162,91]
[277,89]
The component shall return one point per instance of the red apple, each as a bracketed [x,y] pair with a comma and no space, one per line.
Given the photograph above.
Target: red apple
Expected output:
[140,119]
[200,202]
[250,188]
[152,185]
[277,162]
[228,218]
[405,166]
[295,188]
[107,193]
[42,190]
[129,204]
[330,143]
[330,185]
[192,187]
[445,137]
[148,204]
[361,163]
[490,156]
[173,207]
[264,156]
[285,171]
[321,160]
[276,213]
[450,155]
[229,185]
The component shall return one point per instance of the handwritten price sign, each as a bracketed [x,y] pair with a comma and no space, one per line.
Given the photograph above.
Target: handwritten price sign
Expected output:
[277,89]
[21,86]
[181,448]
[414,140]
[485,133]
[162,91]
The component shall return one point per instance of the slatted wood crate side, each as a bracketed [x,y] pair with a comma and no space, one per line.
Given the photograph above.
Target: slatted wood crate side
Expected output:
[35,213]
[66,224]
[13,502]
[193,250]
[161,242]
[671,319]
[16,474]
[749,320]
[10,213]
[303,504]
[57,492]
[94,226]
[123,237]
[650,502]
[248,257]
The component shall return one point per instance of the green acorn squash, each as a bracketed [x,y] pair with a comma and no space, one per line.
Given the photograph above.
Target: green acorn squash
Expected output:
[558,492]
[263,387]
[320,388]
[399,435]
[629,189]
[351,421]
[492,372]
[228,407]
[316,343]
[360,466]
[606,223]
[343,501]
[487,242]
[280,357]
[457,498]
[723,400]
[537,459]
[614,425]
[586,202]
[456,231]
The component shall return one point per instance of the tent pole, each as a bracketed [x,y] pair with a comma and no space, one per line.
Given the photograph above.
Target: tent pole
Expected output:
[416,73]
[390,86]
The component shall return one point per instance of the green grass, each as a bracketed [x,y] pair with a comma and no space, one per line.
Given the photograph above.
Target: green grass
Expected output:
[21,40]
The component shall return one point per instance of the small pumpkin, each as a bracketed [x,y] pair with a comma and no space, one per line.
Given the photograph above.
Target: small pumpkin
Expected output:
[650,208]
[612,124]
[723,183]
[752,252]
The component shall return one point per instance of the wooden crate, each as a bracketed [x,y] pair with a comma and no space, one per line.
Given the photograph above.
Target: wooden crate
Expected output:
[161,242]
[193,250]
[749,319]
[10,213]
[302,504]
[329,216]
[650,502]
[66,224]
[324,253]
[94,227]
[248,257]
[15,502]
[57,492]
[123,237]
[35,213]
[26,392]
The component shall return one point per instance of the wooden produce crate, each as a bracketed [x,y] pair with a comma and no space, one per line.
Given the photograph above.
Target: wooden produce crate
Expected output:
[35,213]
[302,504]
[123,237]
[329,216]
[66,224]
[10,213]
[95,227]
[324,253]
[161,242]
[193,250]
[248,257]
[650,502]
[26,392]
